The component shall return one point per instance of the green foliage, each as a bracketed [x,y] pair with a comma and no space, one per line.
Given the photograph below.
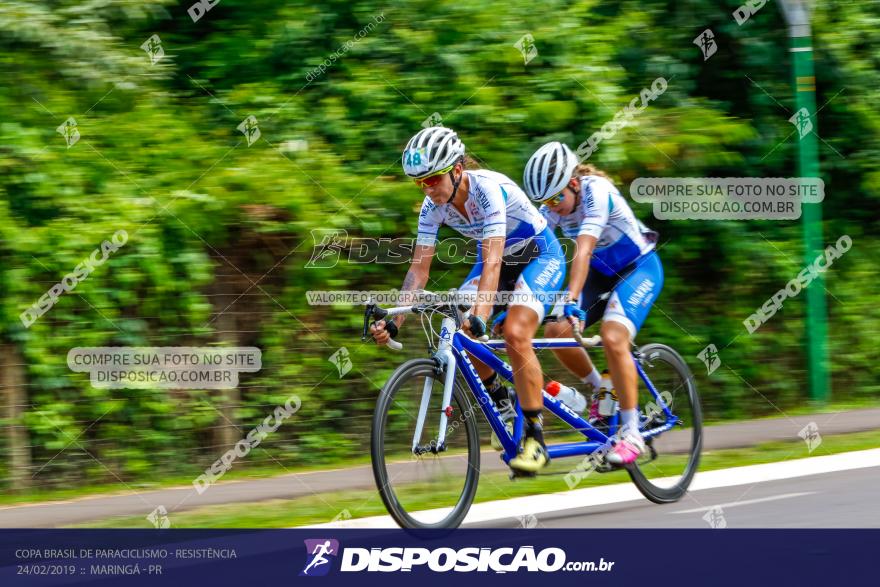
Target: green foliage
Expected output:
[220,232]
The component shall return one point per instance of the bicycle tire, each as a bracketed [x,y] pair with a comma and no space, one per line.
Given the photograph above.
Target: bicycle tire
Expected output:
[652,492]
[408,370]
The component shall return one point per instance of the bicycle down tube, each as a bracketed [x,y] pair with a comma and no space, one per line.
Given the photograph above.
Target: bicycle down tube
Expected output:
[462,345]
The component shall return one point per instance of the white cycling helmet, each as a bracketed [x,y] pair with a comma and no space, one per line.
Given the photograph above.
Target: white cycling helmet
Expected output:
[549,171]
[431,150]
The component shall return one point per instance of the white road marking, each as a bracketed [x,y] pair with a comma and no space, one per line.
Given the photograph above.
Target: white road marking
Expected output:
[733,504]
[622,492]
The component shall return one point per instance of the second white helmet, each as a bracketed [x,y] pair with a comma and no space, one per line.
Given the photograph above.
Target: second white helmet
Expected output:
[431,150]
[548,171]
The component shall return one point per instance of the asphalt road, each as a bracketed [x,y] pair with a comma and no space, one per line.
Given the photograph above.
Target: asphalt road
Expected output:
[843,499]
[141,503]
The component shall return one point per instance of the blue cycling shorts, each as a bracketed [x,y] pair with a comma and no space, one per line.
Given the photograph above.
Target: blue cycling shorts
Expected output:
[633,291]
[534,274]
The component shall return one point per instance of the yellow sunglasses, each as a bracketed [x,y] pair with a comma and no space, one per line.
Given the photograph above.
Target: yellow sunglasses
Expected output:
[554,200]
[433,179]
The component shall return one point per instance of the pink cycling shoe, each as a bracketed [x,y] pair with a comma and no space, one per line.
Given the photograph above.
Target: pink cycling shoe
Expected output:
[626,450]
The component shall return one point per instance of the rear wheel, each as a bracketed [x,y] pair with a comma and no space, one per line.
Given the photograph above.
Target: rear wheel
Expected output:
[432,487]
[664,472]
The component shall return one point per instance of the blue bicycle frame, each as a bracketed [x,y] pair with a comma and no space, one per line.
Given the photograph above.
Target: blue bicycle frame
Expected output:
[460,345]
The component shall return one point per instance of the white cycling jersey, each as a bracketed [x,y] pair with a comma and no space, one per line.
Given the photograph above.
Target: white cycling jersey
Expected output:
[495,205]
[604,214]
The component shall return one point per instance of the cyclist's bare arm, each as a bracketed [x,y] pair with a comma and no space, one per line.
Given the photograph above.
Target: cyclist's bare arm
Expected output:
[580,265]
[493,247]
[416,278]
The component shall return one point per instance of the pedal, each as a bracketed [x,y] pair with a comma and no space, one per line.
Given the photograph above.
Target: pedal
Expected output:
[516,474]
[606,468]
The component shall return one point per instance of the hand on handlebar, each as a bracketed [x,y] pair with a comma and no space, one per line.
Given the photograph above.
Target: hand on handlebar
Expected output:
[383,332]
[474,326]
[573,310]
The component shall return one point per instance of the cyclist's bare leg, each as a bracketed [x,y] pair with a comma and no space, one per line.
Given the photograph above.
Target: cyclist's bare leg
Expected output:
[617,344]
[616,340]
[519,329]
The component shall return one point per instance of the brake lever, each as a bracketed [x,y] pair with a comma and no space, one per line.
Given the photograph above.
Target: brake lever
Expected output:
[376,313]
[367,313]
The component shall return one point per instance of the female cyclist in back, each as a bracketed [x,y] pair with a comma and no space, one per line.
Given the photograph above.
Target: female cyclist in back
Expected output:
[515,252]
[615,252]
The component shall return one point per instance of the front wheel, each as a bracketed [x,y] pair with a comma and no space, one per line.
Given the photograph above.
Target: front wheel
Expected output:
[664,472]
[431,489]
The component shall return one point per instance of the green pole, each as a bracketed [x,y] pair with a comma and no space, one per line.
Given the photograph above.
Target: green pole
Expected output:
[801,49]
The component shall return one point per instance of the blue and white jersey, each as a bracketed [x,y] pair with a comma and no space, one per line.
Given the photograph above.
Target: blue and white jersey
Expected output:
[604,214]
[495,206]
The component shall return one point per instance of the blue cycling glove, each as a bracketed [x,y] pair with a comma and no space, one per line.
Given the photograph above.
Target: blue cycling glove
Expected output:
[573,310]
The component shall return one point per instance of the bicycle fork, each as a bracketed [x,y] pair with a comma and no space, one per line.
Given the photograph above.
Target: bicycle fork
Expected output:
[445,357]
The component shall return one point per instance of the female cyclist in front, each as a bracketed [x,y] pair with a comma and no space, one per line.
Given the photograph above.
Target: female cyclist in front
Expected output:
[614,252]
[515,251]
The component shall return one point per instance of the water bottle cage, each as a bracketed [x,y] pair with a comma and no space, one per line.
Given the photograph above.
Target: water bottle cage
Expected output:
[608,404]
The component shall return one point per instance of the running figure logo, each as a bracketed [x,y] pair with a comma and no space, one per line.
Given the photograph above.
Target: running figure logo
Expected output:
[250,129]
[153,47]
[317,551]
[801,121]
[526,46]
[342,361]
[329,245]
[706,42]
[710,358]
[68,130]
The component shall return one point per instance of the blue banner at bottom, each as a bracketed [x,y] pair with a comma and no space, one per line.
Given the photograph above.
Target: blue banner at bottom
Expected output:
[510,557]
